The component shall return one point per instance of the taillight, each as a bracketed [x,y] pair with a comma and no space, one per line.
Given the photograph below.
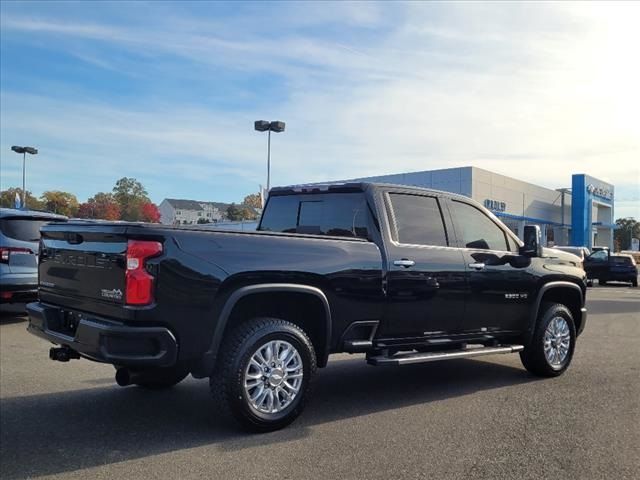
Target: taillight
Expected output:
[6,252]
[139,283]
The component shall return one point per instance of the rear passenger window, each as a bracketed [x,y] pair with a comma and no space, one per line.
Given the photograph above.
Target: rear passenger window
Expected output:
[418,220]
[622,260]
[334,214]
[476,229]
[25,229]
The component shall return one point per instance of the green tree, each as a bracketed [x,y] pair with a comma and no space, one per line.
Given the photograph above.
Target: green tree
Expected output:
[130,196]
[625,229]
[253,200]
[64,203]
[8,198]
[240,212]
[233,212]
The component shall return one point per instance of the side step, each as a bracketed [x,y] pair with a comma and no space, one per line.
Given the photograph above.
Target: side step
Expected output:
[409,358]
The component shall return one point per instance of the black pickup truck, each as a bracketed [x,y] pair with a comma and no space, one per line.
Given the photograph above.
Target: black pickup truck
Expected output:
[405,275]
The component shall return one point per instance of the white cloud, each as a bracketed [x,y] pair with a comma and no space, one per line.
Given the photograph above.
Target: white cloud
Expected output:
[535,91]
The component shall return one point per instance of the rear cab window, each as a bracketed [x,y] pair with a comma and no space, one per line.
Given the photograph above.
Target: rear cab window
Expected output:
[331,214]
[25,229]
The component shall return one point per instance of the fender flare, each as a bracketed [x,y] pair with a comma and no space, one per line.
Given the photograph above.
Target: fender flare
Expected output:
[536,305]
[210,355]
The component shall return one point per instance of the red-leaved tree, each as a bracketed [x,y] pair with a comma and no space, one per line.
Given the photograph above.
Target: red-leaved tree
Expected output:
[150,213]
[101,206]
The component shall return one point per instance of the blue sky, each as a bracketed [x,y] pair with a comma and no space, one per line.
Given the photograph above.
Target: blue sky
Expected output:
[168,92]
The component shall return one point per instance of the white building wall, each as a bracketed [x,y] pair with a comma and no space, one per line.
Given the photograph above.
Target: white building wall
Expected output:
[456,180]
[188,217]
[211,213]
[538,205]
[167,213]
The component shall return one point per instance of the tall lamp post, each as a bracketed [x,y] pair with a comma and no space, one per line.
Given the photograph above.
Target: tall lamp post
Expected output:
[24,151]
[264,126]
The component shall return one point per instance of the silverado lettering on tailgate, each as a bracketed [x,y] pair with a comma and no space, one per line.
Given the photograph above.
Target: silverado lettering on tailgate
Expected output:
[80,259]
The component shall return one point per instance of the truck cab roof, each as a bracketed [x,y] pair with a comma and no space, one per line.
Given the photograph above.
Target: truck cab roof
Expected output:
[343,187]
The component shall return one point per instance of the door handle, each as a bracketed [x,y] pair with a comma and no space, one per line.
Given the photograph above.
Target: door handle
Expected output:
[477,266]
[405,262]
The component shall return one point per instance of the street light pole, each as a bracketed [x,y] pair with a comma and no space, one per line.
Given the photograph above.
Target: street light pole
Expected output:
[24,176]
[265,126]
[24,151]
[268,160]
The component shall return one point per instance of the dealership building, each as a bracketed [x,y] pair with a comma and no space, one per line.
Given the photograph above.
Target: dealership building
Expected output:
[580,215]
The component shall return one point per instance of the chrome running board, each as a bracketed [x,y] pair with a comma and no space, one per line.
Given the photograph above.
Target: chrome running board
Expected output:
[409,358]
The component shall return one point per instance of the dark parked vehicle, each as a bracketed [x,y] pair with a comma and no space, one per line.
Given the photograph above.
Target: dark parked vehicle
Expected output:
[19,237]
[405,275]
[606,267]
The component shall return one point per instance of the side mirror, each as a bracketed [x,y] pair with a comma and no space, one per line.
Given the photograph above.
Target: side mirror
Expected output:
[532,241]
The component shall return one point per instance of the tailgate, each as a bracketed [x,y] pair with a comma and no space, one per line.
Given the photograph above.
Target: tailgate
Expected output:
[84,261]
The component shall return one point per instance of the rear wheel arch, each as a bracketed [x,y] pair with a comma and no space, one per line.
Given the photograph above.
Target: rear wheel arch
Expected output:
[277,300]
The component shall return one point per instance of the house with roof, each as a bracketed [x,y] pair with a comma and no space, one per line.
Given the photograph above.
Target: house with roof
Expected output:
[189,212]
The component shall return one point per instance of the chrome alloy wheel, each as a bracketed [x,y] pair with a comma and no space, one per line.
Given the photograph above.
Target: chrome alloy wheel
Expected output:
[273,377]
[557,341]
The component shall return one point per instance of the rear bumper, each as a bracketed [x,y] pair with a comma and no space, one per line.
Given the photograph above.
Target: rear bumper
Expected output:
[18,293]
[104,340]
[18,288]
[620,276]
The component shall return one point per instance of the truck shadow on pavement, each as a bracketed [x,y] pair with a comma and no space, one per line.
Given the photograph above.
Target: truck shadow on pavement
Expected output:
[63,432]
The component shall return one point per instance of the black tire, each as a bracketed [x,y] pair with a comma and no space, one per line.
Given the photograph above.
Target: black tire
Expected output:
[602,282]
[533,357]
[634,282]
[227,379]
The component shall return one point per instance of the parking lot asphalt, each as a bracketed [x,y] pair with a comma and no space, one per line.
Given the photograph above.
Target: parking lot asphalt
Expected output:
[481,418]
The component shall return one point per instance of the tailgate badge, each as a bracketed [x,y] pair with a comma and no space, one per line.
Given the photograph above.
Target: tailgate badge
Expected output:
[115,294]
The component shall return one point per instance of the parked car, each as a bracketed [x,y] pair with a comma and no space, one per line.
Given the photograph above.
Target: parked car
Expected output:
[623,269]
[606,267]
[19,237]
[405,275]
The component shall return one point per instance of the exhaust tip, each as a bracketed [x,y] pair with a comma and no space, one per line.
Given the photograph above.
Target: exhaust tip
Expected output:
[123,377]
